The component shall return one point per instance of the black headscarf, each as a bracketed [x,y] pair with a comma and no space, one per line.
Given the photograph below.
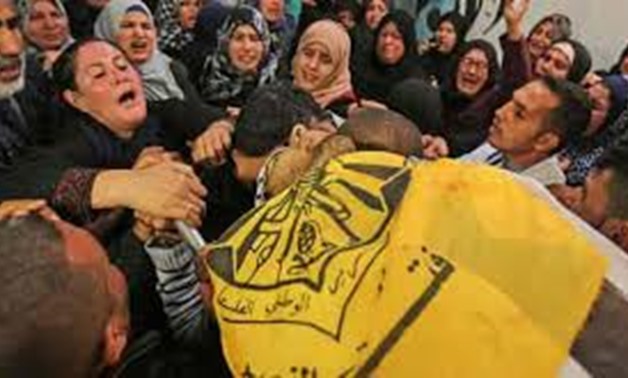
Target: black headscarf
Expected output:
[437,64]
[616,69]
[377,79]
[582,61]
[466,119]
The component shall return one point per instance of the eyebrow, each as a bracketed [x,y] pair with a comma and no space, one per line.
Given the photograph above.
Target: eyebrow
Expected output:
[519,105]
[10,22]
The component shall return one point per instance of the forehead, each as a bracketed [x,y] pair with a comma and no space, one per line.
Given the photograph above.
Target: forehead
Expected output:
[135,15]
[7,11]
[536,97]
[95,52]
[245,29]
[476,54]
[390,27]
[43,4]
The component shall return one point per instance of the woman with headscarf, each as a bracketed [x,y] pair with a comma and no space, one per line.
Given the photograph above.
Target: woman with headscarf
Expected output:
[548,30]
[362,35]
[129,24]
[609,96]
[242,61]
[566,59]
[468,102]
[281,25]
[450,35]
[321,66]
[621,67]
[394,58]
[176,20]
[46,26]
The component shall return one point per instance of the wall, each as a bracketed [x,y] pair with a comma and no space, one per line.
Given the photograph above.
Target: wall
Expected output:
[600,24]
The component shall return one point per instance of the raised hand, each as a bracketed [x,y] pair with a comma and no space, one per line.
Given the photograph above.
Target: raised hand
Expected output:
[213,145]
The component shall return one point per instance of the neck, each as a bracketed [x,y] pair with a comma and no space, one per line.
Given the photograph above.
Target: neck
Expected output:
[522,161]
[247,167]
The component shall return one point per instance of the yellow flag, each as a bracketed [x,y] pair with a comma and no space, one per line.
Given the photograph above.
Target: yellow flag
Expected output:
[378,266]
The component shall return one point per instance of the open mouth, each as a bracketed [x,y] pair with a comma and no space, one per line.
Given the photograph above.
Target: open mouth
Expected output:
[139,45]
[127,98]
[10,70]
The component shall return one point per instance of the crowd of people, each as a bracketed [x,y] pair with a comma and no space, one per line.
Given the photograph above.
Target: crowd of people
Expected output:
[119,117]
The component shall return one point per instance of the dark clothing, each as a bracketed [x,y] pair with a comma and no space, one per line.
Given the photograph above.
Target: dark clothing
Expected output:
[81,18]
[227,199]
[438,66]
[28,118]
[376,79]
[466,121]
[191,113]
[156,355]
[361,49]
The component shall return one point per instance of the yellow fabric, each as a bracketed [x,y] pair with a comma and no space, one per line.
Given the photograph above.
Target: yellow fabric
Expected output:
[376,266]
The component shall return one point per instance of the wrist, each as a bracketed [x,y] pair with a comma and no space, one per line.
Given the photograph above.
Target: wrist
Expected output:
[112,188]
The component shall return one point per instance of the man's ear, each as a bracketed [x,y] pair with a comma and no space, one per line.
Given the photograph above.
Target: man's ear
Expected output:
[547,142]
[116,333]
[75,99]
[297,136]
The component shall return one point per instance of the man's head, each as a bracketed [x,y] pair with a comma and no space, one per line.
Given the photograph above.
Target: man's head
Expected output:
[63,304]
[604,193]
[383,130]
[12,62]
[540,119]
[277,115]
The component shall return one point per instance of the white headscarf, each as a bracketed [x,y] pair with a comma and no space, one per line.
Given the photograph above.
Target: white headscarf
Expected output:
[158,80]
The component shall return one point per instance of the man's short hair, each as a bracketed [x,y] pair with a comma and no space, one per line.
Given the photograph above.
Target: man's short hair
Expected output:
[570,119]
[615,159]
[270,114]
[49,321]
[383,130]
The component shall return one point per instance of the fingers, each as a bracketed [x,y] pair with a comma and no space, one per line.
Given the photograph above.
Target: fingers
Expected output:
[19,208]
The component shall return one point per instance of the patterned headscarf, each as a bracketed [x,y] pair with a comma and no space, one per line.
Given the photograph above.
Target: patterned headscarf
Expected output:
[171,36]
[157,78]
[334,38]
[220,79]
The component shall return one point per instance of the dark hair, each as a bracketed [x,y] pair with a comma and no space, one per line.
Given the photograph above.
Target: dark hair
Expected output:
[351,6]
[405,24]
[383,130]
[491,56]
[420,102]
[49,323]
[270,114]
[459,23]
[570,119]
[615,159]
[63,69]
[616,69]
[561,24]
[582,61]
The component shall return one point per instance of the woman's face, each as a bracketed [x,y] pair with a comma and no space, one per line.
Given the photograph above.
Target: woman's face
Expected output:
[136,37]
[390,47]
[375,11]
[245,49]
[446,37]
[312,68]
[540,40]
[272,10]
[188,13]
[624,66]
[347,19]
[47,27]
[554,63]
[108,88]
[600,96]
[472,73]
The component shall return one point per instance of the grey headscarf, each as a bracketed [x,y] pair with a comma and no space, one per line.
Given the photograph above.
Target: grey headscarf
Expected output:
[158,80]
[25,8]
